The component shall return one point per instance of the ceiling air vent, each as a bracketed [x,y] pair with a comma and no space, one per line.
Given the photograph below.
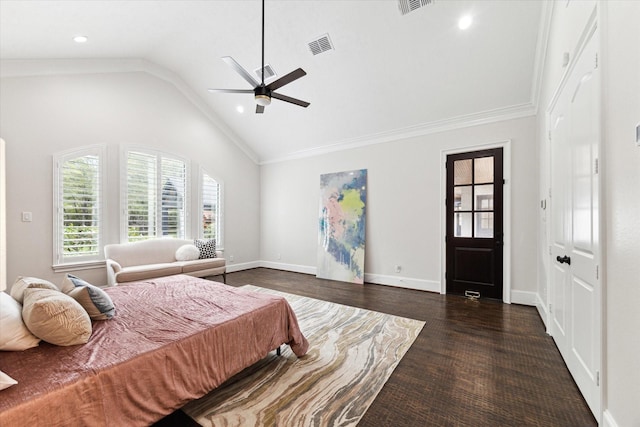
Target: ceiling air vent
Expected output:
[321,44]
[407,6]
[269,73]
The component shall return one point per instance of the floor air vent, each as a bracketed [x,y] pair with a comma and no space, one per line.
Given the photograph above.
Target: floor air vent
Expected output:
[407,6]
[321,44]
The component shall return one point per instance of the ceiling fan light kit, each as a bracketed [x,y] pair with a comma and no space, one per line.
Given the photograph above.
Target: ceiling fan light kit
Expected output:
[263,93]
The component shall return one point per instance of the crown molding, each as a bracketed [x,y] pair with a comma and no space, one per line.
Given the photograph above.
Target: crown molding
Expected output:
[459,122]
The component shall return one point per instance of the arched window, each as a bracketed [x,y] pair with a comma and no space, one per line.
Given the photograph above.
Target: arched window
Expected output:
[78,205]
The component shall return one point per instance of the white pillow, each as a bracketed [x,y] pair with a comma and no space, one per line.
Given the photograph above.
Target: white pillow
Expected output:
[14,335]
[22,283]
[6,381]
[187,253]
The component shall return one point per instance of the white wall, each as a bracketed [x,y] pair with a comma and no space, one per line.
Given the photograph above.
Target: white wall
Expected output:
[42,115]
[622,210]
[403,205]
[620,59]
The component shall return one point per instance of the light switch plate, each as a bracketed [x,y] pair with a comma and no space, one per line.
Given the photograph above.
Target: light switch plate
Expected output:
[638,134]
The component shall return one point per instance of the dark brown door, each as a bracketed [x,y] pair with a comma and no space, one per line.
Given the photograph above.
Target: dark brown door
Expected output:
[474,224]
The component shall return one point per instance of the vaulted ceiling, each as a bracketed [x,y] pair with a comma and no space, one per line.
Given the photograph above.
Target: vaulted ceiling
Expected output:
[389,75]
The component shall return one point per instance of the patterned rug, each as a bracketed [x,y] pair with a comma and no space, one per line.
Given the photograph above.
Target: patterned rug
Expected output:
[352,353]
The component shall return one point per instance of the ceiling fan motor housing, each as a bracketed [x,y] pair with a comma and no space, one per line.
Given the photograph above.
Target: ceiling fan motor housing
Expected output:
[262,95]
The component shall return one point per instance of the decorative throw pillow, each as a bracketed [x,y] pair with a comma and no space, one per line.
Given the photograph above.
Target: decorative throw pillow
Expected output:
[6,381]
[22,283]
[55,317]
[94,300]
[187,253]
[14,335]
[207,248]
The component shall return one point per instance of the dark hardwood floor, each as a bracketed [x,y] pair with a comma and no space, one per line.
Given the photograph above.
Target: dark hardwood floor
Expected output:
[475,363]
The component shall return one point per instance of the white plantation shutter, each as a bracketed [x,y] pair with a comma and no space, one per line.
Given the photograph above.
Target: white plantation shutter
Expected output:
[78,210]
[210,208]
[173,181]
[156,196]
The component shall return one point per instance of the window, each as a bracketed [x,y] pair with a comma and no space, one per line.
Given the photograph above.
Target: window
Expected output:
[156,196]
[78,207]
[210,208]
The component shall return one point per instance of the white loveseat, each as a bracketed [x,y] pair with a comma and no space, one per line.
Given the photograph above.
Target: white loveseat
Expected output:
[128,262]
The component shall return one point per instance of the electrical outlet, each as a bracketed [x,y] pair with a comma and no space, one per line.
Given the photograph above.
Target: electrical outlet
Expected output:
[230,258]
[27,217]
[398,268]
[279,256]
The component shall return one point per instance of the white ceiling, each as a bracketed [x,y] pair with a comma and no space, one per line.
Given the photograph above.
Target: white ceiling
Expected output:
[389,76]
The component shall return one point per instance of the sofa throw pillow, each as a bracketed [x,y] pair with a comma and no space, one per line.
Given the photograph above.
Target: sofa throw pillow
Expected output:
[6,381]
[187,253]
[14,335]
[22,283]
[207,248]
[55,317]
[94,300]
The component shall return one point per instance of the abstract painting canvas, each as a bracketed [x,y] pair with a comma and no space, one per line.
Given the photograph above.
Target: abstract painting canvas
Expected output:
[341,237]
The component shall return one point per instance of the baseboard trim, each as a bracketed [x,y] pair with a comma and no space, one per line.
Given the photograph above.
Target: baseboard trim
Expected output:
[607,419]
[403,282]
[517,297]
[543,312]
[231,268]
[524,297]
[288,267]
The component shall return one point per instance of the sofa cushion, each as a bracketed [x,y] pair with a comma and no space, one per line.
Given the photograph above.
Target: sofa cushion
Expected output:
[201,264]
[148,271]
[207,248]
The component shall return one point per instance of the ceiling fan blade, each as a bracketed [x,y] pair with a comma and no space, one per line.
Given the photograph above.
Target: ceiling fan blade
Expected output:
[294,75]
[285,98]
[231,90]
[259,109]
[244,73]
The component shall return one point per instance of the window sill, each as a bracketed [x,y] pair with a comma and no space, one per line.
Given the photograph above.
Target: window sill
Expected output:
[74,266]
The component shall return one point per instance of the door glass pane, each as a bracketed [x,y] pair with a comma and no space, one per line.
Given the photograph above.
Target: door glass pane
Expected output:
[483,171]
[462,172]
[484,224]
[462,224]
[462,198]
[484,197]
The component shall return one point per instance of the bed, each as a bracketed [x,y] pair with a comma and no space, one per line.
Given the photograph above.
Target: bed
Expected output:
[173,339]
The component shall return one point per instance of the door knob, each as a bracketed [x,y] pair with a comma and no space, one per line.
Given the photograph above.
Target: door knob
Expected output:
[563,259]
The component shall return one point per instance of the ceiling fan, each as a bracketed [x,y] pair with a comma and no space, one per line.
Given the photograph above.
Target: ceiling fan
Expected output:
[263,93]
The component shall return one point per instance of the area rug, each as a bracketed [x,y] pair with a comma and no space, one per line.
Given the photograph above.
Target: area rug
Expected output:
[351,356]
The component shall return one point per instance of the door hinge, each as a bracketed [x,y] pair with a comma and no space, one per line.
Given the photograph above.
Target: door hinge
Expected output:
[597,272]
[550,308]
[596,62]
[549,192]
[549,136]
[596,166]
[597,378]
[550,251]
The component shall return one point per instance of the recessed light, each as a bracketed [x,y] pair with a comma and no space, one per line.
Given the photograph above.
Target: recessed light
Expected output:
[465,22]
[240,109]
[81,39]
